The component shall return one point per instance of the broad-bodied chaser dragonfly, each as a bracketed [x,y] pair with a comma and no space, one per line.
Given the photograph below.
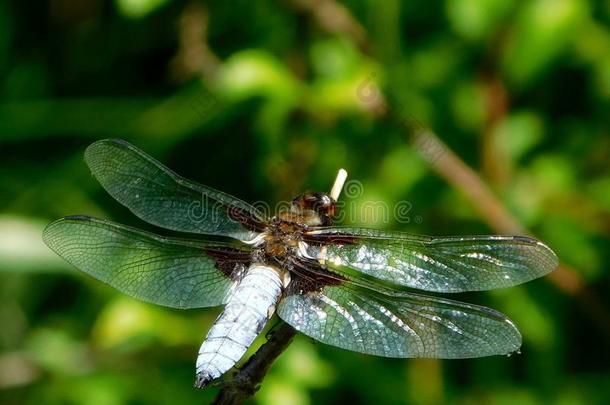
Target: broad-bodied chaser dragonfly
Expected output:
[346,287]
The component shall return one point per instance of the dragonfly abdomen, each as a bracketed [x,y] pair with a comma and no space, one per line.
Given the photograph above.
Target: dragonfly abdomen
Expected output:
[249,307]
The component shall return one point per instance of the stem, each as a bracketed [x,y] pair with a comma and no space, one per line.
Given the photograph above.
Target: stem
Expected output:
[247,381]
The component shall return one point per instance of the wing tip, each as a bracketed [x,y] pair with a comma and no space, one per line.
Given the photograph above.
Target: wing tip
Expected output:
[111,141]
[510,339]
[550,260]
[47,232]
[93,150]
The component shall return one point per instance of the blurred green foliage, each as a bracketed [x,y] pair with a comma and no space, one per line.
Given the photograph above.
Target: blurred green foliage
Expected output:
[265,99]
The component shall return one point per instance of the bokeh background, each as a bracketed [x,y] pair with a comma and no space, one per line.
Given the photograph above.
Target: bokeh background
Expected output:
[484,116]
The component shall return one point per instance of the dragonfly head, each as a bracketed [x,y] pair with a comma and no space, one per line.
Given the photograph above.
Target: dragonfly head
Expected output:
[321,205]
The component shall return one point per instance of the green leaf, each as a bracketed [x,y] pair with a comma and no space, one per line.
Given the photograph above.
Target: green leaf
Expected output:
[543,31]
[138,8]
[477,20]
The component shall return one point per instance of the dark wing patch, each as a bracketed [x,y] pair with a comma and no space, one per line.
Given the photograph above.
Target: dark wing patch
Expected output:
[309,276]
[226,259]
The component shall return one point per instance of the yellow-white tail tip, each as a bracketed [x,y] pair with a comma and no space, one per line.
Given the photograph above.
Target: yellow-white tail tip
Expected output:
[338,186]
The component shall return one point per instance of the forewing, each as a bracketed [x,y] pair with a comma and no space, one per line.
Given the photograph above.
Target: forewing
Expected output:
[171,272]
[448,264]
[400,325]
[161,197]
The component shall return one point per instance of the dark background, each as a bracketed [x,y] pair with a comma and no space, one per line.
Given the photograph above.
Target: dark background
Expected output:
[267,99]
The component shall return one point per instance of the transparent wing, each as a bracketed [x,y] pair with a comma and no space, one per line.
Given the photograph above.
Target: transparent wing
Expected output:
[161,197]
[400,325]
[171,272]
[448,264]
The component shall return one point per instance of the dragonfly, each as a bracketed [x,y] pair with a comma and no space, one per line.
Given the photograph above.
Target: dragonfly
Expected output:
[353,288]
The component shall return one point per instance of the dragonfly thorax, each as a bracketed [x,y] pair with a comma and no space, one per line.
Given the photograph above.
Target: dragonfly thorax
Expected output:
[282,237]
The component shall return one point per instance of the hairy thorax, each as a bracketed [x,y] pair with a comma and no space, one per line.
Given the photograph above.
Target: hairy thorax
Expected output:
[283,236]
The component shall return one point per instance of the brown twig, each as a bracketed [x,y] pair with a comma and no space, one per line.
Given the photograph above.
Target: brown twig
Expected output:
[334,18]
[194,57]
[247,381]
